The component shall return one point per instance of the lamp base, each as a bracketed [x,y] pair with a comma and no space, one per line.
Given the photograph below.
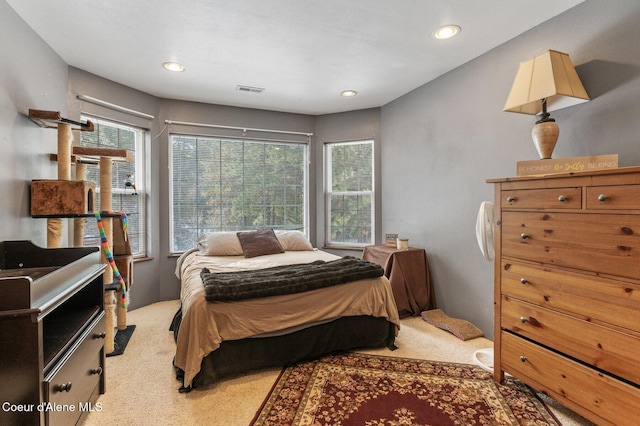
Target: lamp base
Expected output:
[545,135]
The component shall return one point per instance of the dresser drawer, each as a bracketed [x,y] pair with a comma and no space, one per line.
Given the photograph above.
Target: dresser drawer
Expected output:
[611,301]
[591,393]
[616,197]
[604,243]
[553,198]
[76,377]
[602,347]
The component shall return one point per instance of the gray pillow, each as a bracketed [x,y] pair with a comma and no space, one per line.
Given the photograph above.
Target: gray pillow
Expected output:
[259,243]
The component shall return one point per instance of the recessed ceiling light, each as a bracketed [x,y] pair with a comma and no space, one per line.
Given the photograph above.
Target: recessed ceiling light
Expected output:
[446,32]
[173,66]
[348,93]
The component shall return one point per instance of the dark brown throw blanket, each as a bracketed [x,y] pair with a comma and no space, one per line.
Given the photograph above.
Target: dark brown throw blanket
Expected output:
[229,286]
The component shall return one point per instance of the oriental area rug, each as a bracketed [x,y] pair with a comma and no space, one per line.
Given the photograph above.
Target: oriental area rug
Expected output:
[359,389]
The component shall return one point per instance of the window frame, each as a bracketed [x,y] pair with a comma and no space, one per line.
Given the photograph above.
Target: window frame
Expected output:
[140,179]
[305,184]
[328,176]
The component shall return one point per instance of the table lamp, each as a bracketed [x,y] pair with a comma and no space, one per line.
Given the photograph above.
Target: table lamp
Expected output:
[545,83]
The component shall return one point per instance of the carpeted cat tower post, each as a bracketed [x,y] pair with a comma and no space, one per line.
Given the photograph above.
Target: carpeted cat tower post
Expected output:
[106,167]
[55,226]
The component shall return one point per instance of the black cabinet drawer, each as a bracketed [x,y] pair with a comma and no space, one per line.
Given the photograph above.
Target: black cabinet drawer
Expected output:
[69,386]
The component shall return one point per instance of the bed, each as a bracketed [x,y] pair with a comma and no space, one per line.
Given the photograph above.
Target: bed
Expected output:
[216,340]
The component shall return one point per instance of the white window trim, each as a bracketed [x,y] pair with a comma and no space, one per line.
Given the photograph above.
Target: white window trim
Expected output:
[328,193]
[141,170]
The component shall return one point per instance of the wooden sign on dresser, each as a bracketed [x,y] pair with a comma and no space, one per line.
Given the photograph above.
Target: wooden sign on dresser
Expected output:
[567,289]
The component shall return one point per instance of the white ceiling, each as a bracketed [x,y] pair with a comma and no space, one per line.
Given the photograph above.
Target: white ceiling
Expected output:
[302,52]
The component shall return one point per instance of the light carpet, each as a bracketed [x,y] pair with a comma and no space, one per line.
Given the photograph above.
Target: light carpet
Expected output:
[142,389]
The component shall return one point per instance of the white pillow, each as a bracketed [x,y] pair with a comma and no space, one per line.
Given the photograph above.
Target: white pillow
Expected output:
[226,243]
[291,240]
[223,243]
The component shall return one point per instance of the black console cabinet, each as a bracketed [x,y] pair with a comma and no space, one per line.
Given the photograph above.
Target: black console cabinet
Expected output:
[52,332]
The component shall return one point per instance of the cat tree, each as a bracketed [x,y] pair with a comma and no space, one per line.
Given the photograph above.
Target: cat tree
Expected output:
[66,198]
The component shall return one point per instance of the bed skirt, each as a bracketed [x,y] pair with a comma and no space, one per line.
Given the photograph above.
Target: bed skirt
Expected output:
[236,357]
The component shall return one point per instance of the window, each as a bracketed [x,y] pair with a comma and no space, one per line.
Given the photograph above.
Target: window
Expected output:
[127,180]
[349,193]
[224,184]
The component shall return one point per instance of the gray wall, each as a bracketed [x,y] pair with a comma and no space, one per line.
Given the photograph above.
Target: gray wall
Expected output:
[435,146]
[31,76]
[443,140]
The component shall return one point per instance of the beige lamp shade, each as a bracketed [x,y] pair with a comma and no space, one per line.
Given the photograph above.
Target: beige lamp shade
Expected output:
[545,83]
[549,76]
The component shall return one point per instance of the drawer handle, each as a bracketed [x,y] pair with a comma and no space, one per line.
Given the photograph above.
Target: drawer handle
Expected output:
[524,236]
[511,199]
[562,198]
[65,387]
[523,281]
[602,197]
[96,371]
[523,358]
[100,335]
[523,320]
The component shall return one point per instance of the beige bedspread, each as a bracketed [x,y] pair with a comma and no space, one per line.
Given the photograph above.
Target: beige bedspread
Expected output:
[205,325]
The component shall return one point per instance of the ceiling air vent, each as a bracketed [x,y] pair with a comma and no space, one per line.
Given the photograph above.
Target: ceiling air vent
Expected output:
[249,89]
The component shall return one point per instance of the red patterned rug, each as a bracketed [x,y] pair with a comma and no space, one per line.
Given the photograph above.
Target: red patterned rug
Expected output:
[358,389]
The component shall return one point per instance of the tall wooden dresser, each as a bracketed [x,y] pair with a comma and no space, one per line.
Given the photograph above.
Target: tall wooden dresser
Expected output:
[567,289]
